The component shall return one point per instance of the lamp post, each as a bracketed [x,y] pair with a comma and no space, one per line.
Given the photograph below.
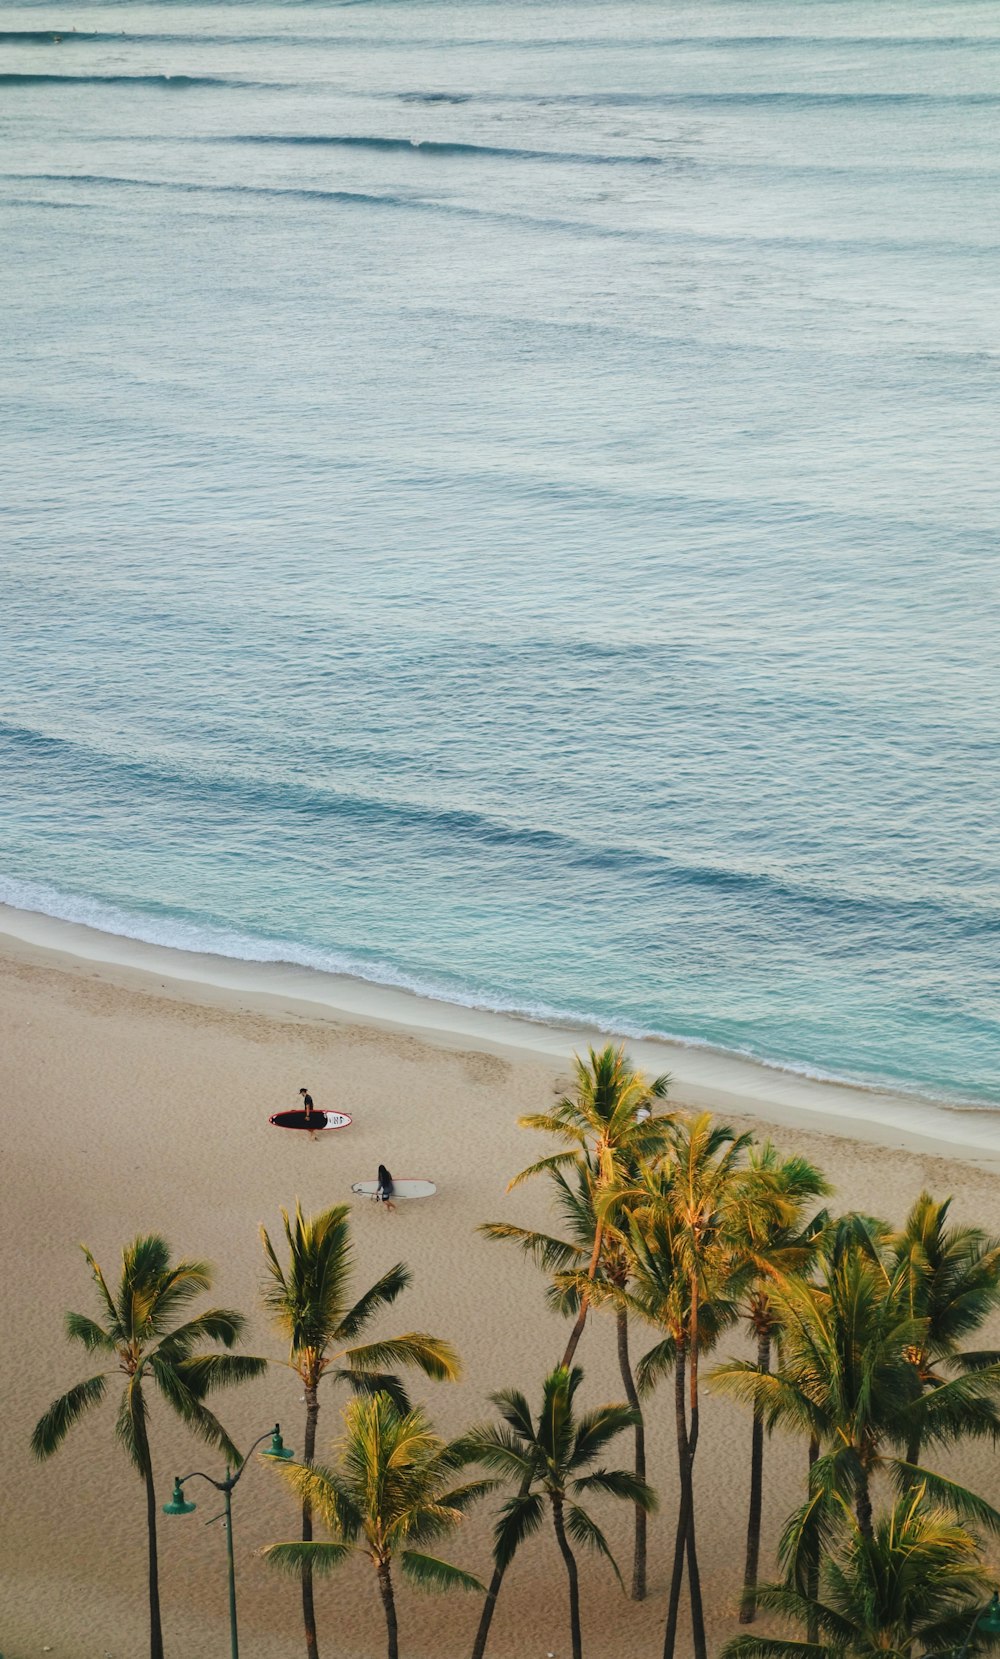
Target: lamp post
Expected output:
[179,1505]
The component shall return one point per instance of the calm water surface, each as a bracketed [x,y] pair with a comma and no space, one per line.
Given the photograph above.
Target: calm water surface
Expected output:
[500,498]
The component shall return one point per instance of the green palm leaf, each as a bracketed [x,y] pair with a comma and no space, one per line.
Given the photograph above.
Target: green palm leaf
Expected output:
[51,1430]
[428,1573]
[318,1557]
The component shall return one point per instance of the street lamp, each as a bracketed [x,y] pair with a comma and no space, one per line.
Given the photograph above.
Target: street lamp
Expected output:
[179,1505]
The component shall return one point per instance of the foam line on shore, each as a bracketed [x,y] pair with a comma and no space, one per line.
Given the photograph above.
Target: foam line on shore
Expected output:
[701,1077]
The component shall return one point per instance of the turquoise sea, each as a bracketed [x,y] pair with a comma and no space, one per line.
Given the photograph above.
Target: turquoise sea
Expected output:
[500,498]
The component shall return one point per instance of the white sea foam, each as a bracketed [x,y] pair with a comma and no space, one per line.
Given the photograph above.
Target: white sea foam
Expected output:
[204,939]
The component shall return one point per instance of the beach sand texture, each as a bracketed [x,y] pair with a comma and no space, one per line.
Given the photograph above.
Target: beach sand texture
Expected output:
[136,1102]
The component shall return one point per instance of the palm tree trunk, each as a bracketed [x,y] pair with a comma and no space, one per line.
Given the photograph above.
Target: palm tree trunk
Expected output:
[812,1570]
[142,1447]
[683,1511]
[913,1446]
[581,1318]
[632,1396]
[308,1453]
[496,1580]
[486,1616]
[863,1505]
[571,1574]
[389,1604]
[748,1605]
[694,1579]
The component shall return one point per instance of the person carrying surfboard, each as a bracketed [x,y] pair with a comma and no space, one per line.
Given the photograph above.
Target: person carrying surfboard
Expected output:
[385,1188]
[307,1104]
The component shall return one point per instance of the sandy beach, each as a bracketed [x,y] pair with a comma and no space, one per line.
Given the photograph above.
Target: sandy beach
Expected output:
[136,1087]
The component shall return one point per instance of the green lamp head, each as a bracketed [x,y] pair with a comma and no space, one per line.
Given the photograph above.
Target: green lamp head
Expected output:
[178,1504]
[988,1623]
[277,1448]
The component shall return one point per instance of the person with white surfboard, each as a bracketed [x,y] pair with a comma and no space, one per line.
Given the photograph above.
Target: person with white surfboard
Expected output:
[385,1188]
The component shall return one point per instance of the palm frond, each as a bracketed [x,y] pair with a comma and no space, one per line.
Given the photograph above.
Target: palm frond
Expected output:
[596,1429]
[93,1336]
[432,1356]
[51,1429]
[957,1500]
[620,1483]
[172,1383]
[583,1530]
[375,1382]
[428,1573]
[223,1325]
[204,1373]
[519,1518]
[380,1295]
[320,1556]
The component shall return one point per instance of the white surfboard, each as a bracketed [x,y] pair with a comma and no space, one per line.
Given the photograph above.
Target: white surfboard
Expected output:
[400,1189]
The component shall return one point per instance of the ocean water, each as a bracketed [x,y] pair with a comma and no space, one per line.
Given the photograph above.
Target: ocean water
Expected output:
[500,498]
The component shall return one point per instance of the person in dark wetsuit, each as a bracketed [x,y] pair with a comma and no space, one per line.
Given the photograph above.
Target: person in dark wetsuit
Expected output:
[385,1187]
[307,1105]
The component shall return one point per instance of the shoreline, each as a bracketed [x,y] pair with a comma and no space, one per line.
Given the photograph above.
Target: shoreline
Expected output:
[701,1077]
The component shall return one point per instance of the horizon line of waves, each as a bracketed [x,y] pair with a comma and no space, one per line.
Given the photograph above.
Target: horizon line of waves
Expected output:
[597,100]
[459,210]
[708,100]
[889,42]
[179,80]
[486,830]
[186,931]
[440,147]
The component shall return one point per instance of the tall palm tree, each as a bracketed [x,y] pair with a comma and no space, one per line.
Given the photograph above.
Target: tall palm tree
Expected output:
[566,1260]
[777,1243]
[390,1490]
[309,1301]
[845,1379]
[910,1587]
[608,1129]
[687,1220]
[549,1459]
[952,1281]
[141,1340]
[608,1124]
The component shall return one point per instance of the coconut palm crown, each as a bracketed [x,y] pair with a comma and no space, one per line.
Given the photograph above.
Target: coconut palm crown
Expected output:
[391,1489]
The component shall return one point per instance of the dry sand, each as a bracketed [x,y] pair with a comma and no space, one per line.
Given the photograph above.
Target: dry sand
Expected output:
[136,1086]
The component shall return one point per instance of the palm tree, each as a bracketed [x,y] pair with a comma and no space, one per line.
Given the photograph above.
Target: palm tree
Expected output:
[549,1460]
[777,1243]
[912,1586]
[309,1302]
[687,1220]
[952,1281]
[608,1125]
[566,1261]
[846,1380]
[141,1340]
[609,1130]
[697,1208]
[390,1490]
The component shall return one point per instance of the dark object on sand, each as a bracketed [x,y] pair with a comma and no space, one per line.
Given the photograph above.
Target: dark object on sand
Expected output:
[314,1120]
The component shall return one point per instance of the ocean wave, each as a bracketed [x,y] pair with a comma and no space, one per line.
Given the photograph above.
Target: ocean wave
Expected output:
[713,100]
[174,931]
[13,79]
[435,147]
[652,868]
[583,227]
[603,43]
